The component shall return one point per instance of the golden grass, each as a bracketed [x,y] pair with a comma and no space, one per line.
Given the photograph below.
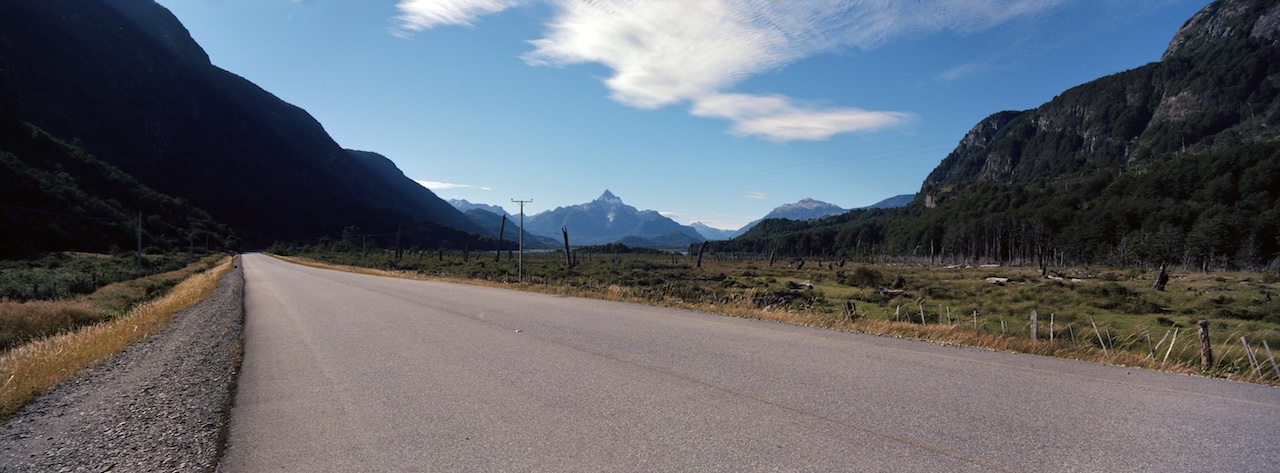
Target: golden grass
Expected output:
[33,319]
[33,368]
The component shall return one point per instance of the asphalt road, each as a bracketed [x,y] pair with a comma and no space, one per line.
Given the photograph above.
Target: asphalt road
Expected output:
[345,372]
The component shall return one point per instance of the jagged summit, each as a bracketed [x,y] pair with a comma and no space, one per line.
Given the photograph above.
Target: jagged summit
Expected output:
[609,198]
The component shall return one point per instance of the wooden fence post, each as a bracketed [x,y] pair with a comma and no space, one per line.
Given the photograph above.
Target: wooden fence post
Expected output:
[1171,343]
[1100,340]
[1206,350]
[1272,358]
[1035,324]
[1253,359]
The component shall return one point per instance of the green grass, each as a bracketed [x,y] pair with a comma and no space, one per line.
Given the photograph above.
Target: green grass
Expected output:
[1135,324]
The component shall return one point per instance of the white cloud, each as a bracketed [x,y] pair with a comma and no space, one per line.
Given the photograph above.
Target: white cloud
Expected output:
[418,15]
[666,52]
[439,186]
[778,118]
[753,195]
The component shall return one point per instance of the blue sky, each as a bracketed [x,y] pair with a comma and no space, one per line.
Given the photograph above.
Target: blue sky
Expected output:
[705,110]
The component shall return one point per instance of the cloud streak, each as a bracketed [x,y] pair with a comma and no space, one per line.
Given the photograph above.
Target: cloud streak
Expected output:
[440,186]
[669,52]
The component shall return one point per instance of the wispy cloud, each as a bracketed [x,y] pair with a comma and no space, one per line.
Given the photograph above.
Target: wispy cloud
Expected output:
[418,15]
[439,186]
[666,52]
[753,195]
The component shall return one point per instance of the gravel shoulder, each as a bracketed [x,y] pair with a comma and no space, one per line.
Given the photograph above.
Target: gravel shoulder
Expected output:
[161,405]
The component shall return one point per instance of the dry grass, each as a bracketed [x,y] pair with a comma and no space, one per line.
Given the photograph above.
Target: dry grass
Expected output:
[1136,323]
[32,368]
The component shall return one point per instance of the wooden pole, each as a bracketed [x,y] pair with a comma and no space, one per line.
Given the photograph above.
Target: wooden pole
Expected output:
[1051,327]
[1206,350]
[1035,324]
[1272,358]
[1253,360]
[1171,343]
[1100,340]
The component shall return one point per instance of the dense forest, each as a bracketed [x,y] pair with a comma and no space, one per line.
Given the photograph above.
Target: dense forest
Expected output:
[1175,162]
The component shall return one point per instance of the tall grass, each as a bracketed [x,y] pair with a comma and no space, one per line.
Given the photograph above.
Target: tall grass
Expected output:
[32,368]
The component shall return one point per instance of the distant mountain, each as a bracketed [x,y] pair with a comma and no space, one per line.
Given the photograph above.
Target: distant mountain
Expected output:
[712,233]
[463,206]
[892,202]
[805,209]
[1173,162]
[123,81]
[608,220]
[491,224]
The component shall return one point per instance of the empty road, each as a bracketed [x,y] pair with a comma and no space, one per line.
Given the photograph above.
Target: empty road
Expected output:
[346,372]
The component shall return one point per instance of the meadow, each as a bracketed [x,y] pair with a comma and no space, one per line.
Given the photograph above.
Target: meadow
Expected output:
[1107,315]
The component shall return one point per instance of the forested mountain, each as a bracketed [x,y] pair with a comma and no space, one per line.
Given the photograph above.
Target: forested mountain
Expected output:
[1172,162]
[56,197]
[123,81]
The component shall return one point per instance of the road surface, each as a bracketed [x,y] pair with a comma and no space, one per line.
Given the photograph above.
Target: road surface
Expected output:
[346,372]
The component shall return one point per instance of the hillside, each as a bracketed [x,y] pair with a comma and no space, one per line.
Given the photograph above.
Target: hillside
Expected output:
[124,81]
[57,197]
[1175,161]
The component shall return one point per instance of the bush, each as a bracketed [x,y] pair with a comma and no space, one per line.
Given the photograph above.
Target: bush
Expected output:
[861,276]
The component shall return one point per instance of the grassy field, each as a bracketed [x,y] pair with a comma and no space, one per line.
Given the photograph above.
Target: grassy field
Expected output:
[1098,314]
[56,338]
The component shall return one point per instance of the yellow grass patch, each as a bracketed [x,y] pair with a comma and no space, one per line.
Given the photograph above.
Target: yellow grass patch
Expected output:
[33,368]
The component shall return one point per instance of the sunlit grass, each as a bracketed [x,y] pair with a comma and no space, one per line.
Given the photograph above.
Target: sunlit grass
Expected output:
[30,369]
[1135,325]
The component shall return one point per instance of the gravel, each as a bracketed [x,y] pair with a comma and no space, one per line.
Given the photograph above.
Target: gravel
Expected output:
[161,405]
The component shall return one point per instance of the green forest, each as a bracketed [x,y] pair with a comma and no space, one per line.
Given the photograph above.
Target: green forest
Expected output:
[1172,163]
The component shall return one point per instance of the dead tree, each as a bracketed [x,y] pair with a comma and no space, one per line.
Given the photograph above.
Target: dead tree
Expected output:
[568,256]
[702,249]
[497,255]
[1161,280]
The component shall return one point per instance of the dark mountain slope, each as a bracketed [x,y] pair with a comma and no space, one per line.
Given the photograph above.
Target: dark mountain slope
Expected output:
[124,78]
[1174,161]
[57,197]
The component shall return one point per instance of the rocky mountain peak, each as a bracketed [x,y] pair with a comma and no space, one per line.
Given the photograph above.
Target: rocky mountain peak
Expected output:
[609,198]
[1225,19]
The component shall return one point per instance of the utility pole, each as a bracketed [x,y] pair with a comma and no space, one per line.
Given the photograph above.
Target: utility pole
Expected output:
[520,265]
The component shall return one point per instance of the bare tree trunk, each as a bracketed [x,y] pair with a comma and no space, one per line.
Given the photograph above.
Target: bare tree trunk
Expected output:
[1161,280]
[568,256]
[502,228]
[702,249]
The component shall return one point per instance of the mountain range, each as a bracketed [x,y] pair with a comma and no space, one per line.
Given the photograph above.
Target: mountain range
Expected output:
[123,82]
[111,116]
[1176,161]
[608,220]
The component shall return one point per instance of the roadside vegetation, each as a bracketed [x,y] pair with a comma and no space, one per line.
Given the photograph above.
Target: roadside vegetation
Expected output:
[1107,315]
[47,340]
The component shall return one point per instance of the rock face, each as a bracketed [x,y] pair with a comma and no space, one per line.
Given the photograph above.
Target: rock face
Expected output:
[124,80]
[1212,88]
[608,220]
